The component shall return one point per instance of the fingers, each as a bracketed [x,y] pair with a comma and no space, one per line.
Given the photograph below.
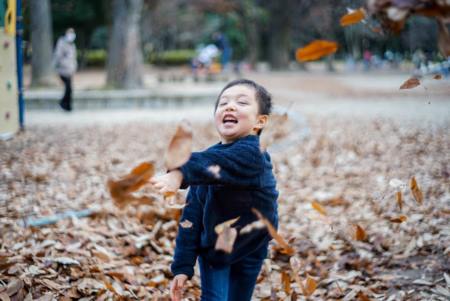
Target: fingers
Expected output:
[176,289]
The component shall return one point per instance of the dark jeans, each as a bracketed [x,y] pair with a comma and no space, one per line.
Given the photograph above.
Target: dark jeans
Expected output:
[231,283]
[66,101]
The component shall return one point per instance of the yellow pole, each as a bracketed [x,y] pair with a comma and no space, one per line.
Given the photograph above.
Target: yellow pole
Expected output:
[10,18]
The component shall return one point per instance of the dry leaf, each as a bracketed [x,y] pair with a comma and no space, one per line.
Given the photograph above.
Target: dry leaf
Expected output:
[399,199]
[399,219]
[215,171]
[226,239]
[295,266]
[310,285]
[437,76]
[120,190]
[14,286]
[4,297]
[222,226]
[315,50]
[316,205]
[360,234]
[417,193]
[273,232]
[361,296]
[252,226]
[353,17]
[286,281]
[410,83]
[186,224]
[180,147]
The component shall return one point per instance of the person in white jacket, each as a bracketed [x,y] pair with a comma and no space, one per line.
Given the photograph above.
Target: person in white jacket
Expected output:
[65,63]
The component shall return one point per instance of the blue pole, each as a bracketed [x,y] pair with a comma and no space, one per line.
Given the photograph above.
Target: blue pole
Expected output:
[19,35]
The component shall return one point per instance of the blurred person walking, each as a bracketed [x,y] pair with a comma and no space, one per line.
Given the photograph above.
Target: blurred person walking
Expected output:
[65,63]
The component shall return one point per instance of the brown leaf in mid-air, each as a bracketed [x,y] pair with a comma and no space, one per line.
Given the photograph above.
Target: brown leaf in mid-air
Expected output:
[410,83]
[273,232]
[400,219]
[315,50]
[437,76]
[360,234]
[353,17]
[399,199]
[415,189]
[226,238]
[180,147]
[120,190]
[222,226]
[316,205]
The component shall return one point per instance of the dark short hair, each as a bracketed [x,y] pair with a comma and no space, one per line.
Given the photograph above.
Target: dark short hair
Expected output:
[263,97]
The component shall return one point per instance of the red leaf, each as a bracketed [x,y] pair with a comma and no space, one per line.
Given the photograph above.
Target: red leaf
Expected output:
[315,50]
[353,17]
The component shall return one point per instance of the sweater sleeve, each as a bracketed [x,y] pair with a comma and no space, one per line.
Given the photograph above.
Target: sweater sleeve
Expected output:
[240,165]
[188,238]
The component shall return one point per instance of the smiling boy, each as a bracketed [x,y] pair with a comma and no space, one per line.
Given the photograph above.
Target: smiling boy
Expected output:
[245,181]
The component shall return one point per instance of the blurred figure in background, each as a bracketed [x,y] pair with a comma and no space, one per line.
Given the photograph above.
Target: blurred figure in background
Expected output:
[65,63]
[204,60]
[222,42]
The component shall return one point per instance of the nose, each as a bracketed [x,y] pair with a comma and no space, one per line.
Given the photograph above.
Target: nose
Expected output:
[230,106]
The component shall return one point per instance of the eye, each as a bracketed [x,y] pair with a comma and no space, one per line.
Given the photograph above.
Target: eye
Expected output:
[222,103]
[242,102]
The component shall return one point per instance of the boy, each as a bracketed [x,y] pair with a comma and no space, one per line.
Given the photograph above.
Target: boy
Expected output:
[245,181]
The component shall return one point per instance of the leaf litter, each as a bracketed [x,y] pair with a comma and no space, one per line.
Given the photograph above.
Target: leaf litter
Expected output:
[125,253]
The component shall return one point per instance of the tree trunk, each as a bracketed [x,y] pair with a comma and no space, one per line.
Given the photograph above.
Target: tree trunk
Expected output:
[124,68]
[280,33]
[42,73]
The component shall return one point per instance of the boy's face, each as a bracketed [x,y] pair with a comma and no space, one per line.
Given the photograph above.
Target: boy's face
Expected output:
[237,114]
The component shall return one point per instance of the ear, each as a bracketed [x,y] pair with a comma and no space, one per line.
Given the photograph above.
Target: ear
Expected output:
[261,122]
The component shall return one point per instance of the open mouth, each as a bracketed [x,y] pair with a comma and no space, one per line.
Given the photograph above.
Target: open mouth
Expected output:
[229,119]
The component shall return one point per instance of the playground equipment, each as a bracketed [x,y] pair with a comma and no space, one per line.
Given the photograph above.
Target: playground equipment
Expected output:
[11,99]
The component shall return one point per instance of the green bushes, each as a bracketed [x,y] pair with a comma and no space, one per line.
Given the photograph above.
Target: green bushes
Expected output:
[171,57]
[95,58]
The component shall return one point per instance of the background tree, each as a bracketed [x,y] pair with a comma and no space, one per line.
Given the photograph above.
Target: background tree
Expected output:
[42,73]
[124,66]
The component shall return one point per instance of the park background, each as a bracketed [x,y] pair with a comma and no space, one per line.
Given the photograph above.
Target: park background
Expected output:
[352,141]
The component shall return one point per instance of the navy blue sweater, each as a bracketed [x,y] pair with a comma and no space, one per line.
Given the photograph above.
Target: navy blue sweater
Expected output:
[245,181]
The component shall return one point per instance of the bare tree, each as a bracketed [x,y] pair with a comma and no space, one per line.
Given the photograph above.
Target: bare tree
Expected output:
[124,67]
[41,42]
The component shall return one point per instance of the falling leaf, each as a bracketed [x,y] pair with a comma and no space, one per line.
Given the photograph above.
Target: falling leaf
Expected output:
[186,224]
[120,190]
[316,205]
[315,50]
[310,286]
[353,17]
[417,193]
[180,147]
[252,226]
[410,83]
[360,234]
[437,76]
[226,238]
[399,219]
[222,226]
[286,281]
[215,171]
[273,232]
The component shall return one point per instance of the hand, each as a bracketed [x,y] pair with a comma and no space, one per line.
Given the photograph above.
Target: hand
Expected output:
[169,182]
[177,287]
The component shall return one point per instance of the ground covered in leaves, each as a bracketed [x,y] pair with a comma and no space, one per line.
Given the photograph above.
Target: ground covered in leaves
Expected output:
[358,241]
